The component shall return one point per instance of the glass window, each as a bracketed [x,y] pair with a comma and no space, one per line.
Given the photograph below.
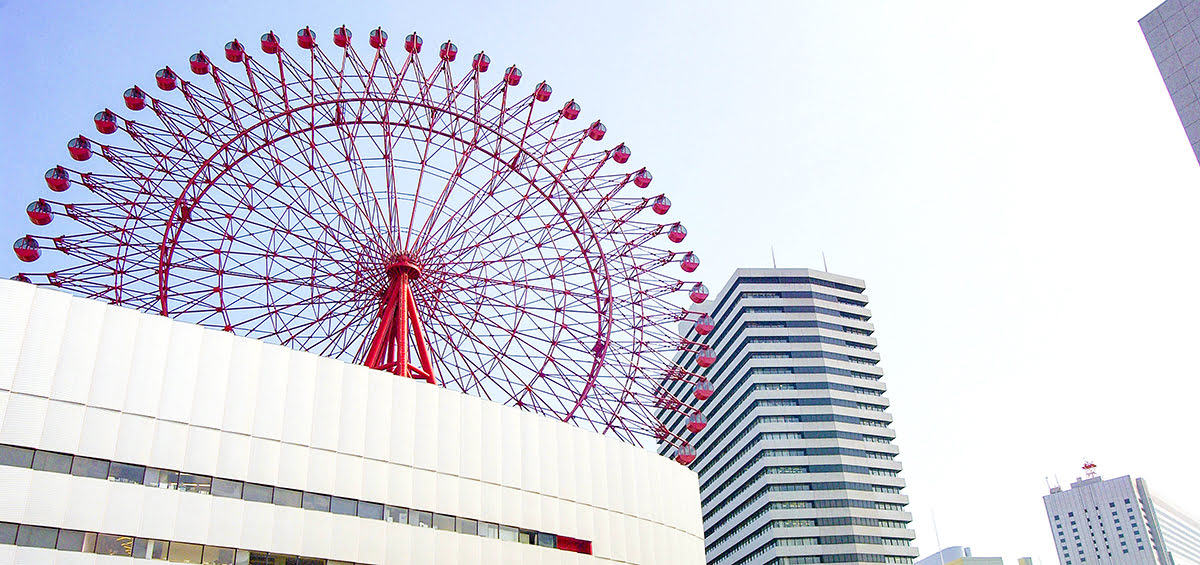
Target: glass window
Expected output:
[257,493]
[287,497]
[218,555]
[489,530]
[526,536]
[370,510]
[16,456]
[70,540]
[547,540]
[313,501]
[226,488]
[424,519]
[150,548]
[89,467]
[8,533]
[466,526]
[344,506]
[53,462]
[161,478]
[114,545]
[395,514]
[443,522]
[508,533]
[195,483]
[124,473]
[185,552]
[36,536]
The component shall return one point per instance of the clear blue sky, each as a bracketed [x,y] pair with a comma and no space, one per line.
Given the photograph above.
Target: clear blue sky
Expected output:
[1010,179]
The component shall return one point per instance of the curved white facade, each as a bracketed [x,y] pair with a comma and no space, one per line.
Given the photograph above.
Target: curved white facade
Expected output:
[89,380]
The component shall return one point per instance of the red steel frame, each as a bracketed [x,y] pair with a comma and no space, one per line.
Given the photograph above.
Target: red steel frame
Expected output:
[416,220]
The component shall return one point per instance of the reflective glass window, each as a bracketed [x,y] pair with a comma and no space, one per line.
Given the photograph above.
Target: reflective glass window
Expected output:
[547,540]
[195,483]
[16,456]
[124,473]
[345,506]
[89,467]
[443,522]
[527,536]
[114,545]
[150,549]
[313,501]
[227,488]
[395,514]
[508,533]
[370,510]
[257,493]
[423,520]
[287,497]
[69,540]
[53,462]
[465,526]
[489,530]
[180,552]
[8,533]
[36,536]
[218,555]
[161,478]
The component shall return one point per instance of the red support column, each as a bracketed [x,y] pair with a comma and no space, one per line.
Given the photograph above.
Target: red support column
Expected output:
[397,315]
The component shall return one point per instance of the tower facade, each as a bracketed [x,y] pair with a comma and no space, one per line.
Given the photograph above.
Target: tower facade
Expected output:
[1118,521]
[1172,31]
[798,463]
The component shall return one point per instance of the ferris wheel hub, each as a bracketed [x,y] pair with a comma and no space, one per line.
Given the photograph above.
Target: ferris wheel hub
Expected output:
[403,264]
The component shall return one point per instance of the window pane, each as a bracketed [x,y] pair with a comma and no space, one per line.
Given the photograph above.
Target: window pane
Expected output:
[123,473]
[443,522]
[185,553]
[53,462]
[508,533]
[218,555]
[16,456]
[527,536]
[114,545]
[547,540]
[36,536]
[345,506]
[161,478]
[395,514]
[370,510]
[195,483]
[313,501]
[243,557]
[257,493]
[465,526]
[150,549]
[89,467]
[70,540]
[287,497]
[424,519]
[227,488]
[8,533]
[489,530]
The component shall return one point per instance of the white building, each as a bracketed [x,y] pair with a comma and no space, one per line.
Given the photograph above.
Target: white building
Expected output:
[1118,521]
[126,435]
[798,464]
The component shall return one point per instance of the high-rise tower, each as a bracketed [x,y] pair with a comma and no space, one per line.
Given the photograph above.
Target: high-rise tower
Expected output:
[797,464]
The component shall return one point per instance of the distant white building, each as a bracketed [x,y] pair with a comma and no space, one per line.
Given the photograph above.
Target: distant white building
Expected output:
[1119,522]
[959,555]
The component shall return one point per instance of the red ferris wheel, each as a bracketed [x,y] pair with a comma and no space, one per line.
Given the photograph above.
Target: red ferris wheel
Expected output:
[417,218]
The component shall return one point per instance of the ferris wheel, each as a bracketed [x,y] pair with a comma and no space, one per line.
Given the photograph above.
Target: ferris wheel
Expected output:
[415,217]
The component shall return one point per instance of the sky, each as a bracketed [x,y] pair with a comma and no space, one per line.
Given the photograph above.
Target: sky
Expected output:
[1010,179]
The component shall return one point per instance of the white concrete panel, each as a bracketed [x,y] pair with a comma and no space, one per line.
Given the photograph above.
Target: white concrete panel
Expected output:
[378,415]
[258,525]
[398,545]
[4,394]
[15,487]
[566,461]
[352,420]
[531,510]
[99,435]
[242,392]
[135,439]
[328,400]
[16,303]
[470,497]
[228,521]
[402,426]
[287,527]
[512,428]
[298,403]
[316,534]
[233,457]
[72,378]
[123,513]
[470,428]
[43,339]
[170,444]
[491,443]
[348,475]
[374,481]
[62,428]
[272,392]
[263,466]
[448,430]
[372,547]
[400,486]
[422,549]
[424,489]
[491,503]
[81,515]
[344,544]
[114,358]
[44,499]
[293,466]
[161,508]
[212,379]
[145,393]
[447,492]
[531,464]
[203,447]
[425,434]
[322,471]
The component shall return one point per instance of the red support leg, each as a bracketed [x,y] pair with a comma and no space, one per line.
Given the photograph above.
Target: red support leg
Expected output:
[397,315]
